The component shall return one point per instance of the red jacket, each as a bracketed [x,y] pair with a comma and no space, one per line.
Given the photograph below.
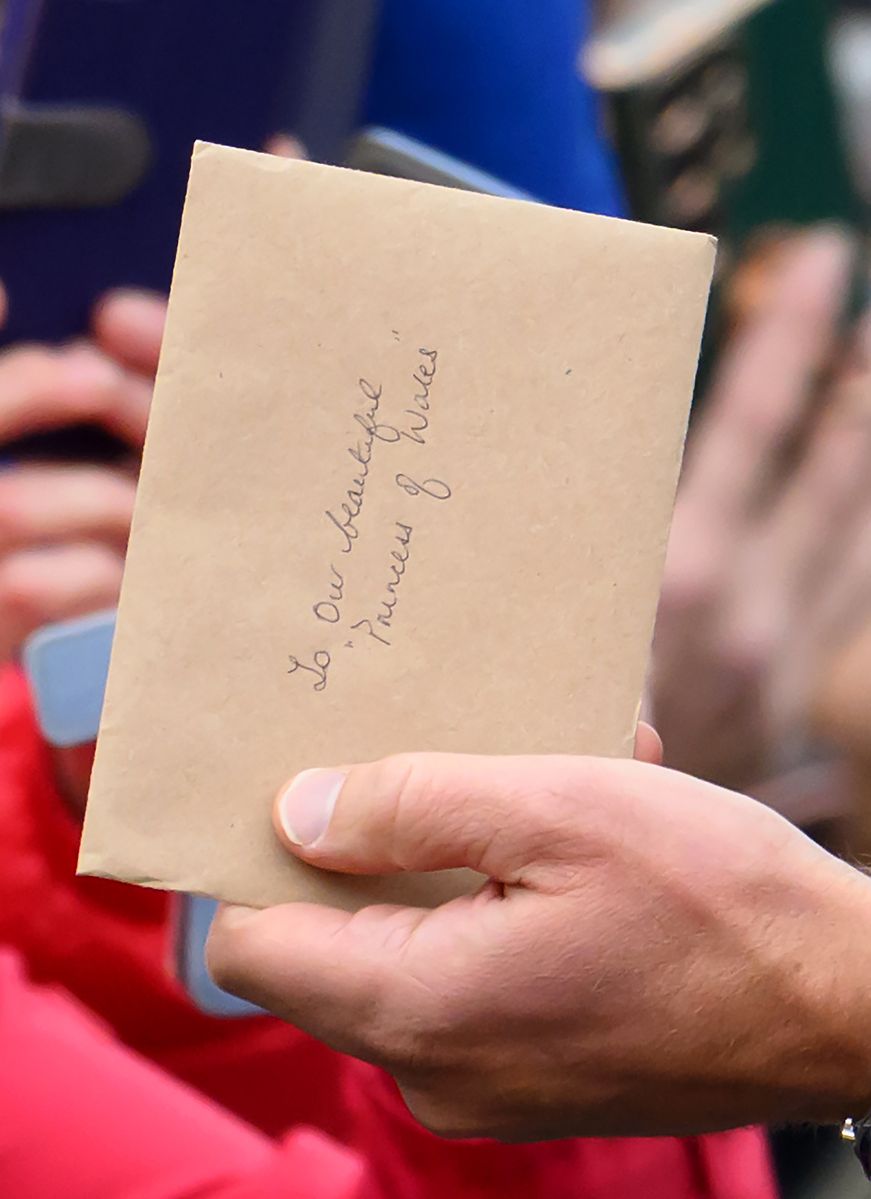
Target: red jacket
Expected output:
[81,1117]
[110,946]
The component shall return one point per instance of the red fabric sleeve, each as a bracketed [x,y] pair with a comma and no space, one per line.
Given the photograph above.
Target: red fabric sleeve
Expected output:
[81,1116]
[109,945]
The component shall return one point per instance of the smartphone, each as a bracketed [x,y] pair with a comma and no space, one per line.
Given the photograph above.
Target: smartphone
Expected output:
[386,152]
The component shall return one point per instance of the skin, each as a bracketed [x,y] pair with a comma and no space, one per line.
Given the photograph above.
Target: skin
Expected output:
[64,526]
[742,626]
[769,564]
[652,955]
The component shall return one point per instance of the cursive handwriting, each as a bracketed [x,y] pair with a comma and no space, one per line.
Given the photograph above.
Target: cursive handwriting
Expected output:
[320,666]
[349,508]
[423,377]
[434,488]
[384,618]
[331,605]
[328,610]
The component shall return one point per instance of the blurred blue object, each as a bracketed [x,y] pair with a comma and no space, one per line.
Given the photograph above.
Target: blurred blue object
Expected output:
[66,666]
[174,71]
[495,83]
[387,152]
[196,915]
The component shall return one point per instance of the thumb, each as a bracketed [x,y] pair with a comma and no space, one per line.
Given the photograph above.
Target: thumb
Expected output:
[422,812]
[353,978]
[501,816]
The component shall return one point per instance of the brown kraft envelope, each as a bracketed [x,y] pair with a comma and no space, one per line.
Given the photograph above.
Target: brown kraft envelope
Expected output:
[407,485]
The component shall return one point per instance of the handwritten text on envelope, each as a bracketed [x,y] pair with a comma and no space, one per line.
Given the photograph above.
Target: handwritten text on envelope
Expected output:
[407,486]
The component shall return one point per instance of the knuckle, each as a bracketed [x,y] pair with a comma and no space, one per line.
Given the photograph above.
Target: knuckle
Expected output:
[395,776]
[394,1042]
[564,803]
[397,782]
[417,1031]
[404,1014]
[574,825]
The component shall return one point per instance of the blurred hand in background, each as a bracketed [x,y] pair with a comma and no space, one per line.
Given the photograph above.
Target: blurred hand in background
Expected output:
[64,526]
[769,563]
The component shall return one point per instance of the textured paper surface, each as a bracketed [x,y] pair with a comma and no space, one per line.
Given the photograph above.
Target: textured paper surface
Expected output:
[407,485]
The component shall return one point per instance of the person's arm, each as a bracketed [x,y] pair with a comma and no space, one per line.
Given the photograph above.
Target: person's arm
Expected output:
[81,1116]
[769,561]
[652,955]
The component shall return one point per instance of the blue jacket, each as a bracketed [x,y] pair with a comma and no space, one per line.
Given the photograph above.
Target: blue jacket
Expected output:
[495,83]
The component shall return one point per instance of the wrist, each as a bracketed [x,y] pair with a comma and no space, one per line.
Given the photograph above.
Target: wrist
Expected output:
[836,965]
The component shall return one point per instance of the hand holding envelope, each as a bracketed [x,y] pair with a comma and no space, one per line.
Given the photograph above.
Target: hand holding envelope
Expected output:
[407,483]
[652,954]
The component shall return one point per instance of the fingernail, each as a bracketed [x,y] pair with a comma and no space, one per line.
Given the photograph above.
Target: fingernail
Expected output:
[306,807]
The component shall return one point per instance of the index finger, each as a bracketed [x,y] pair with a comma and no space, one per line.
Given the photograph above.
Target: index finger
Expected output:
[42,388]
